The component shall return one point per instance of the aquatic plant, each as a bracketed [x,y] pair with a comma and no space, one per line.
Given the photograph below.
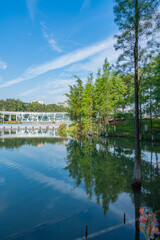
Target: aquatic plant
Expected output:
[148,224]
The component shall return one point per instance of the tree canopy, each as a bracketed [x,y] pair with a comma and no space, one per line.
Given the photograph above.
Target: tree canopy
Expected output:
[18,105]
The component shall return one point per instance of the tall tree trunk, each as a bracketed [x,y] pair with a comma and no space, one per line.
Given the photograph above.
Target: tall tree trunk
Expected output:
[137,204]
[151,115]
[136,180]
[157,109]
[157,160]
[107,123]
[100,130]
[140,112]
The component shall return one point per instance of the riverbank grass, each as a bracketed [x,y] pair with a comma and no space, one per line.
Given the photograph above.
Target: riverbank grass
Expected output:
[126,128]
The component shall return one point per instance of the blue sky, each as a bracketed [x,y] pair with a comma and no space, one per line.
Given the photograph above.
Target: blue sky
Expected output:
[44,43]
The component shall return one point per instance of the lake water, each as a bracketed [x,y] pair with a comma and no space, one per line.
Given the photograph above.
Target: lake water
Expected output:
[51,188]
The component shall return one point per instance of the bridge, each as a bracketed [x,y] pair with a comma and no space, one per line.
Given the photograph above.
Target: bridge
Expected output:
[35,116]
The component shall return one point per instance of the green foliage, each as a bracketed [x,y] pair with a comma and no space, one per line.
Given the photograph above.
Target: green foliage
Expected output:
[124,116]
[126,128]
[75,101]
[18,105]
[72,130]
[103,87]
[63,126]
[88,103]
[11,143]
[62,130]
[117,92]
[107,96]
[150,89]
[98,100]
[105,168]
[13,122]
[127,82]
[138,22]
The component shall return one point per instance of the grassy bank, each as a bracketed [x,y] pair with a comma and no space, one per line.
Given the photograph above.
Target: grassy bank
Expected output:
[126,128]
[120,128]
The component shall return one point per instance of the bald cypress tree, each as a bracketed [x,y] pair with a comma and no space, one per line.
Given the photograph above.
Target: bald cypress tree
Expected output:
[102,96]
[88,103]
[74,101]
[138,20]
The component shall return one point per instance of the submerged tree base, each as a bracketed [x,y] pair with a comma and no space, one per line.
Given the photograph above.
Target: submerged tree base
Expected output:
[136,183]
[136,179]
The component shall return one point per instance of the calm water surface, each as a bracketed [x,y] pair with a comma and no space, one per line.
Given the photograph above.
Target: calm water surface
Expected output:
[51,188]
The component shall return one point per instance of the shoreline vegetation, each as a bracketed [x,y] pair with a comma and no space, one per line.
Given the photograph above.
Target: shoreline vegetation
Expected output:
[119,129]
[134,80]
[105,106]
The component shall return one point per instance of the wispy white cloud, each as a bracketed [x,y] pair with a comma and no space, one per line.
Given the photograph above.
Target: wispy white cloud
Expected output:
[2,180]
[53,45]
[63,61]
[31,5]
[3,65]
[41,178]
[94,62]
[57,88]
[52,91]
[85,4]
[33,90]
[56,83]
[49,38]
[57,91]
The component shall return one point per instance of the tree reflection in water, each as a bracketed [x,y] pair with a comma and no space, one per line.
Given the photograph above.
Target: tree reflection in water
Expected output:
[11,143]
[106,169]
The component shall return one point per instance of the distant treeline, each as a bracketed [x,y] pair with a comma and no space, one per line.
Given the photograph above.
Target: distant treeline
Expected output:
[11,143]
[18,105]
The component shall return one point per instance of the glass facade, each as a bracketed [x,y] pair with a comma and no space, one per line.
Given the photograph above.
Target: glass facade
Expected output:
[40,117]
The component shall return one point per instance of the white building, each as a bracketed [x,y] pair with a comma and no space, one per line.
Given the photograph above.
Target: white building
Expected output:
[40,102]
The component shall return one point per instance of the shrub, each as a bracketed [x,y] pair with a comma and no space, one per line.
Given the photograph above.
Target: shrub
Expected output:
[13,122]
[63,126]
[147,224]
